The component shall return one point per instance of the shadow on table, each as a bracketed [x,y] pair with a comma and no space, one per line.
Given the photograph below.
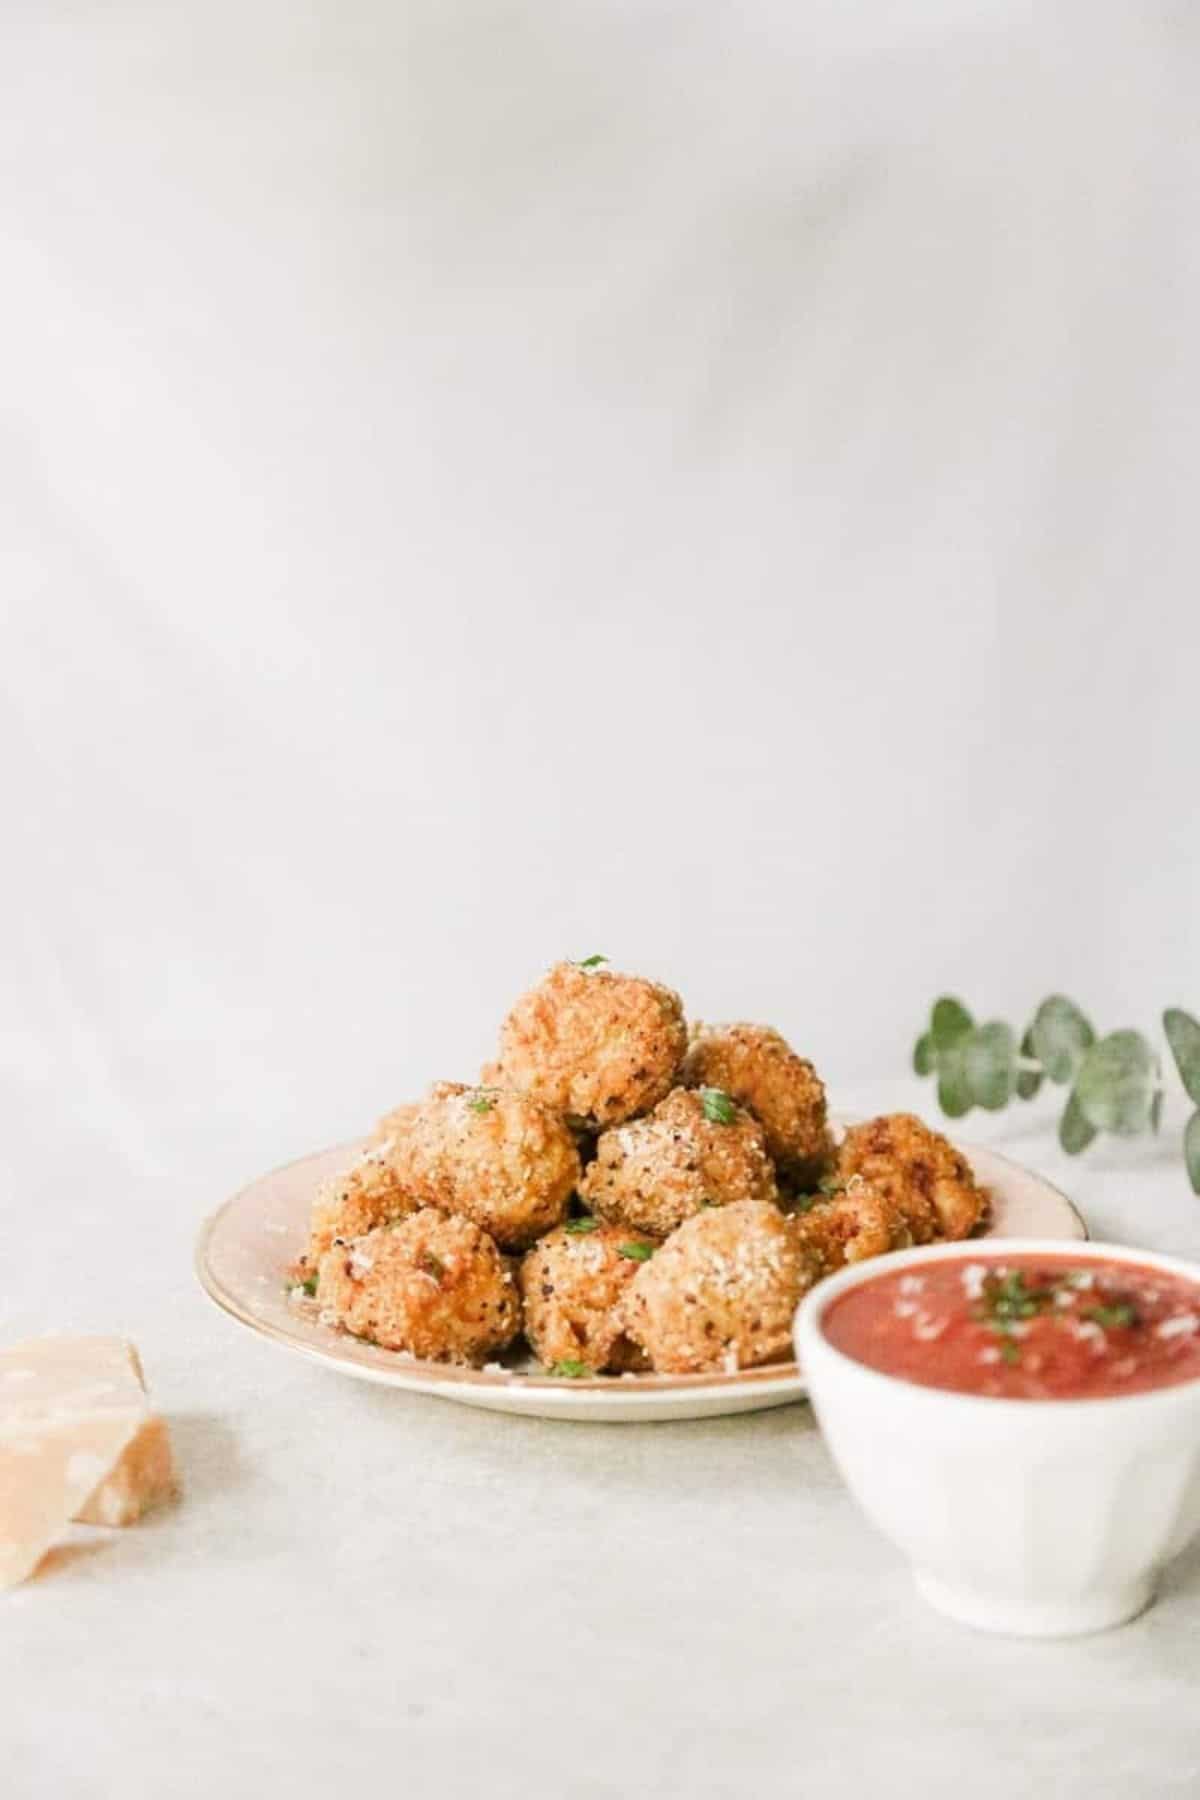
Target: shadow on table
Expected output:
[207,1456]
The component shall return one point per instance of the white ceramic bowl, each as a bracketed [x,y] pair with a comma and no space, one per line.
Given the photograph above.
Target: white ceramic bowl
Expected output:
[1043,1518]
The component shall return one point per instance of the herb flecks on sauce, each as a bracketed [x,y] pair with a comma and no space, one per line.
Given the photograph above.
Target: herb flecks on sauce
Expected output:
[1025,1327]
[1008,1300]
[1117,1317]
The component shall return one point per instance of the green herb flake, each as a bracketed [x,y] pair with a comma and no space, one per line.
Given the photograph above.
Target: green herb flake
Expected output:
[591,962]
[1121,1313]
[581,1227]
[636,1252]
[1006,1298]
[1010,1351]
[719,1107]
[429,1264]
[569,1369]
[482,1103]
[309,1284]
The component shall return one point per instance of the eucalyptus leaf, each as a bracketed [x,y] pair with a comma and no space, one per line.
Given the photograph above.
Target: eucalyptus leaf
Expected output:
[1074,1132]
[924,1055]
[1191,1150]
[1183,1035]
[949,1021]
[1028,1080]
[954,1089]
[1116,1083]
[1156,1106]
[1060,1035]
[989,1060]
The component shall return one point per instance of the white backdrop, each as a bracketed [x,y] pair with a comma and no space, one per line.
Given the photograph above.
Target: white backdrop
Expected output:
[485,482]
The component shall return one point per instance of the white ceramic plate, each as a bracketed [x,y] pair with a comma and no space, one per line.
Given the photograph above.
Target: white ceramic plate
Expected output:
[246,1246]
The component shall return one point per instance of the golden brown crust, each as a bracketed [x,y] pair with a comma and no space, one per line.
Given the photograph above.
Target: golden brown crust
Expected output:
[498,1157]
[758,1067]
[852,1225]
[721,1293]
[597,1046]
[367,1194]
[572,1282]
[433,1286]
[654,1173]
[918,1171]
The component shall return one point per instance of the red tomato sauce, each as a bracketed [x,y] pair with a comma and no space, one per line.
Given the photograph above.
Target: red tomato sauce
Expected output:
[1024,1327]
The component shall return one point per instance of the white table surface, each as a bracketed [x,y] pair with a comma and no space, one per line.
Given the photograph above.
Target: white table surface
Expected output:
[373,1592]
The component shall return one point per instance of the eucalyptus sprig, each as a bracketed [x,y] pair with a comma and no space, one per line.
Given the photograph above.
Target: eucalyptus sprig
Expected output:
[1115,1081]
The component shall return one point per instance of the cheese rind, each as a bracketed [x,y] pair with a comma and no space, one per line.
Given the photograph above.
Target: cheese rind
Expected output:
[77,1440]
[144,1476]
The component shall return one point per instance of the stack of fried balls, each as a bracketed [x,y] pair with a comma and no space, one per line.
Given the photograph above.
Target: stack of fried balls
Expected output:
[628,1194]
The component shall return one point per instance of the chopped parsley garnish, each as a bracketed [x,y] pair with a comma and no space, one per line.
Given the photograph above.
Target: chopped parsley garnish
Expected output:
[636,1252]
[1121,1312]
[482,1103]
[580,1227]
[569,1369]
[719,1108]
[429,1264]
[1007,1298]
[309,1284]
[591,962]
[830,1184]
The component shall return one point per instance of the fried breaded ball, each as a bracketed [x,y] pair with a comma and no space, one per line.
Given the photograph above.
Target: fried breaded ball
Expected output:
[721,1292]
[598,1046]
[434,1286]
[918,1171]
[691,1152]
[851,1225]
[489,1154]
[758,1067]
[367,1194]
[572,1282]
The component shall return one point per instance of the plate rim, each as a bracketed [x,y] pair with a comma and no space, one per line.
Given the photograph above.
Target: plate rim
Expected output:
[449,1379]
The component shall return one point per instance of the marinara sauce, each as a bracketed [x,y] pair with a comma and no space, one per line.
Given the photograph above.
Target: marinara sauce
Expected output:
[1024,1327]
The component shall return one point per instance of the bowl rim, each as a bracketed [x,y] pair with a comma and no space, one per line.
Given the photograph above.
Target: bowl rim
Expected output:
[809,1337]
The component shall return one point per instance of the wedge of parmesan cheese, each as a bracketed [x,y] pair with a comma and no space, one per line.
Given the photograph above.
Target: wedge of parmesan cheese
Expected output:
[77,1441]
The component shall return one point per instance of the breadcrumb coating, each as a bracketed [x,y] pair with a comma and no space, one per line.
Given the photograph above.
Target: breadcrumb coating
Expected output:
[852,1225]
[721,1293]
[367,1194]
[595,1045]
[759,1068]
[918,1171]
[434,1286]
[572,1282]
[489,1154]
[654,1173]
